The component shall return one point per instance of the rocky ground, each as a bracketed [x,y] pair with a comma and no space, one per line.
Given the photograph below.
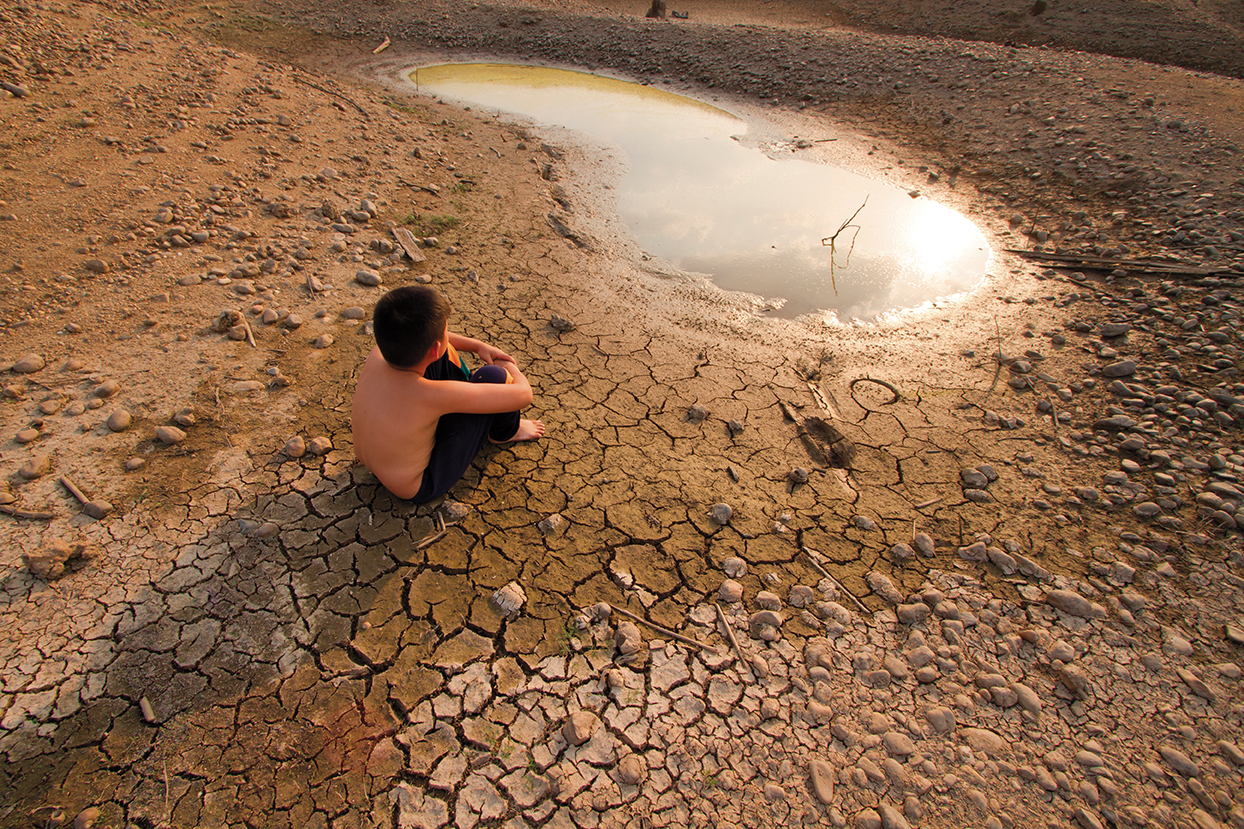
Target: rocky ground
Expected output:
[1007,594]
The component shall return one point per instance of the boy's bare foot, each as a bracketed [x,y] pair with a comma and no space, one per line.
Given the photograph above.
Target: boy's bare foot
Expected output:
[527,430]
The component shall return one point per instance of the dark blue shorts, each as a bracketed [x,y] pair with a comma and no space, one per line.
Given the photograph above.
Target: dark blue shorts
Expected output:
[459,437]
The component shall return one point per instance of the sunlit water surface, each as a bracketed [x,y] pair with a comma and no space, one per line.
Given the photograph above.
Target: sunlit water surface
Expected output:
[697,198]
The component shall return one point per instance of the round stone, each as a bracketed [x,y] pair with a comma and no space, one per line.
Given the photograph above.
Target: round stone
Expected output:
[119,420]
[106,389]
[295,447]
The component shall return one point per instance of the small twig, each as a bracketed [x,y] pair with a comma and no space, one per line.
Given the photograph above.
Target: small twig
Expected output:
[494,149]
[73,490]
[893,390]
[816,565]
[812,557]
[430,540]
[997,369]
[730,637]
[354,104]
[25,513]
[250,336]
[686,640]
[852,596]
[382,46]
[930,502]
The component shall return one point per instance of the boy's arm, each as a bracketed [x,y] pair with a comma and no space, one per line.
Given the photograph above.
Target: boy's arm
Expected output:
[485,398]
[488,353]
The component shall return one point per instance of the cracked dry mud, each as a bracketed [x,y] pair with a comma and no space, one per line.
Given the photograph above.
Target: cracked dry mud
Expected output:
[1017,601]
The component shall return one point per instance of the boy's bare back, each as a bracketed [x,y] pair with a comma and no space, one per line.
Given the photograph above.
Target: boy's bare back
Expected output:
[394,424]
[396,412]
[418,422]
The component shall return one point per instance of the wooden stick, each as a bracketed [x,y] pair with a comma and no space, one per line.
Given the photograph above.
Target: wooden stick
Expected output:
[812,557]
[24,513]
[430,540]
[930,502]
[863,608]
[406,240]
[730,637]
[73,490]
[816,565]
[354,104]
[686,640]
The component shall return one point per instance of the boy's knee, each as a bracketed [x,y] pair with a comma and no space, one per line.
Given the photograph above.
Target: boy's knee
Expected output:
[489,374]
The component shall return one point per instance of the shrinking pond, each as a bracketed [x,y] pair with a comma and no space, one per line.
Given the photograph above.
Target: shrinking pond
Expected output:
[696,197]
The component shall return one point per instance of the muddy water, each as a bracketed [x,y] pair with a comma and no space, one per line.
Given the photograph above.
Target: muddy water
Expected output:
[696,195]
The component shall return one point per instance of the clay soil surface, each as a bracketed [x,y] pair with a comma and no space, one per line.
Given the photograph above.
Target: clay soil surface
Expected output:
[980,567]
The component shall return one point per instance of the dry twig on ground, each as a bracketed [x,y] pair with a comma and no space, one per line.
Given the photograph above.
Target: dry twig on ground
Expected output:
[686,640]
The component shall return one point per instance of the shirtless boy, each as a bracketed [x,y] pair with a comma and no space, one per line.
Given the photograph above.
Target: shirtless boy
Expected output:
[419,418]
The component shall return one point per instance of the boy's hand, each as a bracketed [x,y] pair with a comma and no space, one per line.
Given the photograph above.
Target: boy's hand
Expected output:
[491,354]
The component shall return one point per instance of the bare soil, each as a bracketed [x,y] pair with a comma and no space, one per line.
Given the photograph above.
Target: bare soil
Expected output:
[162,163]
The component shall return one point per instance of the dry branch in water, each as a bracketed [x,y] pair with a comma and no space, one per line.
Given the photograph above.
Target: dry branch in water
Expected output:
[830,241]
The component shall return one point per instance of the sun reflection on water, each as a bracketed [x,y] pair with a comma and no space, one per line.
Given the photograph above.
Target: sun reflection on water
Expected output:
[695,196]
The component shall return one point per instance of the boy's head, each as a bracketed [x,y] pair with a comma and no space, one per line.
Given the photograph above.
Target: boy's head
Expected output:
[408,321]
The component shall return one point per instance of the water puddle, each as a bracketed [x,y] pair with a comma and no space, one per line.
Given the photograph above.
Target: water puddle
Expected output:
[698,198]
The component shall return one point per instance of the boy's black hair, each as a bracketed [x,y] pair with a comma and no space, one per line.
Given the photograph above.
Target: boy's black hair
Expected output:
[407,321]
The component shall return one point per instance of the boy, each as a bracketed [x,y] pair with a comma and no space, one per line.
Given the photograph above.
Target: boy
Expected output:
[419,416]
